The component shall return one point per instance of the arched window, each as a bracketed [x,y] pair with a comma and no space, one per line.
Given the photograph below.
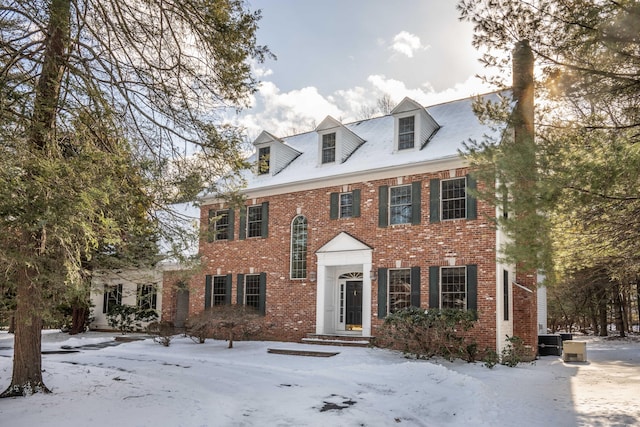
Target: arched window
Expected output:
[299,247]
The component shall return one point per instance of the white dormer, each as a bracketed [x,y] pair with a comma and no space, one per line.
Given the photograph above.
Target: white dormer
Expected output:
[413,126]
[335,142]
[273,154]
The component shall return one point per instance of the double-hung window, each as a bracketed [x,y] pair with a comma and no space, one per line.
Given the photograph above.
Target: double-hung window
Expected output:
[252,290]
[454,198]
[453,287]
[112,297]
[345,205]
[146,297]
[217,290]
[264,160]
[399,289]
[400,205]
[450,199]
[221,224]
[329,148]
[254,221]
[406,132]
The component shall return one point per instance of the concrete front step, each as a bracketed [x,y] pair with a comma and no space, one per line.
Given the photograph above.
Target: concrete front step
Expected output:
[339,340]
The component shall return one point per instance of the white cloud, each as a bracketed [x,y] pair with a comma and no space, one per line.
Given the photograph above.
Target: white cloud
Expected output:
[297,111]
[407,44]
[286,113]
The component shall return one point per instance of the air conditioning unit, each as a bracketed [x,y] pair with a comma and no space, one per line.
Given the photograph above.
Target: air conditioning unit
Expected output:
[574,351]
[549,345]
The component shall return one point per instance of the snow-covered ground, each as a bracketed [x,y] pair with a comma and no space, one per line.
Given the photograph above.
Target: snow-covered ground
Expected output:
[187,384]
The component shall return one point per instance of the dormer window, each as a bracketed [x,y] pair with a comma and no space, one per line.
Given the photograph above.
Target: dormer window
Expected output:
[329,148]
[263,160]
[406,132]
[414,127]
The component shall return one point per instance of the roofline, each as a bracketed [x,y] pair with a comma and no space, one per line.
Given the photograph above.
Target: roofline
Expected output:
[443,163]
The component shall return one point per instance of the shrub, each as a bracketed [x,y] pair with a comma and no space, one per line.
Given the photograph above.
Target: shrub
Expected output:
[426,333]
[162,332]
[228,322]
[514,352]
[490,358]
[128,318]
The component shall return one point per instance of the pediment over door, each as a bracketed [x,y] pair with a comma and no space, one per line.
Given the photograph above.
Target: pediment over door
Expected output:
[343,242]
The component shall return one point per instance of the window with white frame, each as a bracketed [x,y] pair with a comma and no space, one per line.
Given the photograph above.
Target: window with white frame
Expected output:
[252,290]
[453,287]
[112,297]
[329,148]
[254,221]
[406,132]
[454,198]
[263,160]
[219,290]
[400,205]
[346,205]
[299,247]
[220,224]
[146,296]
[399,289]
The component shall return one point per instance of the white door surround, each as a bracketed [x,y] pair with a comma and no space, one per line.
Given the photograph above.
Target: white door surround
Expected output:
[342,254]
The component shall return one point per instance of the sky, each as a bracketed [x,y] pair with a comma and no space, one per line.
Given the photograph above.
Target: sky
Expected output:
[337,57]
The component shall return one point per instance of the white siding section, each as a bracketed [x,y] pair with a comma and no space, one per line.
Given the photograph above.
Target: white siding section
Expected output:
[130,279]
[350,142]
[280,154]
[427,127]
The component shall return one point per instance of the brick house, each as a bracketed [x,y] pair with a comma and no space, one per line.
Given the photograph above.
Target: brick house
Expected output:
[349,222]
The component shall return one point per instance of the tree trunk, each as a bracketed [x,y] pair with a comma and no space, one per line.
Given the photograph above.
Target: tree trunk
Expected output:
[78,320]
[27,361]
[12,324]
[619,313]
[602,312]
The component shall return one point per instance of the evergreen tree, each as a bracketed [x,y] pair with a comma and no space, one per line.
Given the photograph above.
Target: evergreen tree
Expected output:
[101,103]
[587,128]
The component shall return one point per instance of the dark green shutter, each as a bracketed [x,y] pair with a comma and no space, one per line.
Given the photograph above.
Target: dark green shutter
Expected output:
[263,293]
[264,231]
[383,206]
[416,202]
[356,203]
[471,200]
[472,287]
[505,294]
[240,294]
[434,287]
[228,284]
[208,291]
[154,297]
[334,200]
[232,220]
[119,299]
[434,200]
[382,293]
[415,286]
[210,226]
[242,231]
[105,298]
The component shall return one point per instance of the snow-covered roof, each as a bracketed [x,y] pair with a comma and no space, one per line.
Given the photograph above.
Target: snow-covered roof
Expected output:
[457,125]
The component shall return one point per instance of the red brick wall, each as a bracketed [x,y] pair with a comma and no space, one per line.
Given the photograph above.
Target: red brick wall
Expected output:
[291,304]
